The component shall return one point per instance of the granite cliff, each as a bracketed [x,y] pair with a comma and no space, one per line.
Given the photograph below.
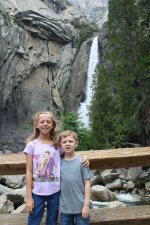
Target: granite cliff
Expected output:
[39,62]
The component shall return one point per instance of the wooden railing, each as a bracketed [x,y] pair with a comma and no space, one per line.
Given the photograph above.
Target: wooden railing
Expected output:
[14,164]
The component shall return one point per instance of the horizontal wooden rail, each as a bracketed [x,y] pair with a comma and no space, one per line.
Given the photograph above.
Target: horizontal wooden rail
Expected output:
[138,215]
[14,164]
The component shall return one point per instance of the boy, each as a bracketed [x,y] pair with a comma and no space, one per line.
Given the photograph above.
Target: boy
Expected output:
[75,183]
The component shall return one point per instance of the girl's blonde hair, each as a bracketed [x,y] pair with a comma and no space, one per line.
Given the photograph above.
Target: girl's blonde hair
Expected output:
[35,134]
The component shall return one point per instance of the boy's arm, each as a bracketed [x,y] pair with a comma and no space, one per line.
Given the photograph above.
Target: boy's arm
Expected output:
[29,175]
[87,189]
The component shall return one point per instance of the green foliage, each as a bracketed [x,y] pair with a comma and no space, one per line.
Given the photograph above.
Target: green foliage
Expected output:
[79,24]
[86,33]
[86,30]
[111,128]
[130,60]
[71,121]
[27,125]
[120,110]
[104,116]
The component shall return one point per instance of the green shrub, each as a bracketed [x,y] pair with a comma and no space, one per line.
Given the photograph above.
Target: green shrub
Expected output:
[71,121]
[86,33]
[26,126]
[86,30]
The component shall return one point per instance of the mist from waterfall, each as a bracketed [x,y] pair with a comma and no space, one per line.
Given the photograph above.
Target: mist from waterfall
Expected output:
[93,61]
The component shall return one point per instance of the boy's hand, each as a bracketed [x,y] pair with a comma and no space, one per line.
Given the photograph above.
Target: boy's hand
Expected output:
[29,205]
[85,212]
[85,161]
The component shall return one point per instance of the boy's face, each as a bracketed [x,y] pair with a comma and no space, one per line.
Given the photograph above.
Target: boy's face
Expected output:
[69,144]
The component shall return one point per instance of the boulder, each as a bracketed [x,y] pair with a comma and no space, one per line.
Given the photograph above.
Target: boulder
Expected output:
[96,180]
[6,206]
[109,176]
[16,181]
[101,193]
[115,185]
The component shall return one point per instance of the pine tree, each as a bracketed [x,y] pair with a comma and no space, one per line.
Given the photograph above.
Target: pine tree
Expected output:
[123,106]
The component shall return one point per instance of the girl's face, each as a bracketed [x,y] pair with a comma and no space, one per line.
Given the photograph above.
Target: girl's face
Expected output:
[69,144]
[45,124]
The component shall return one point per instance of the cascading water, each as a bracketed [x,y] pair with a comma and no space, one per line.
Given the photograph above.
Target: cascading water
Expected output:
[93,61]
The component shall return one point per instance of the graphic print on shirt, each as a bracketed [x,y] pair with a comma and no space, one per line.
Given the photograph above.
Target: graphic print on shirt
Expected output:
[45,168]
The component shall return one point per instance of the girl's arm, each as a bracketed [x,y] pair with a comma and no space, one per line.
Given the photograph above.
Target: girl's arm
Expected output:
[29,175]
[85,161]
[87,189]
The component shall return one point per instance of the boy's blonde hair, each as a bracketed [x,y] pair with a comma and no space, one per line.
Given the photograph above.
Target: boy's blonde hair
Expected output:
[35,134]
[67,133]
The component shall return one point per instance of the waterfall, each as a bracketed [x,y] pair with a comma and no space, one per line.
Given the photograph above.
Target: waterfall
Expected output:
[93,61]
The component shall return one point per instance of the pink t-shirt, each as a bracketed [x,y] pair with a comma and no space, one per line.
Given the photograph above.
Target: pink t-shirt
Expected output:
[46,167]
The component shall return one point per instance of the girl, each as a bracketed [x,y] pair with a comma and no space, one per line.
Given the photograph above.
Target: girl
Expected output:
[43,167]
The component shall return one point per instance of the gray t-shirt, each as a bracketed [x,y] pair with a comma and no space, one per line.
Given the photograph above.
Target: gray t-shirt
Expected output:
[72,176]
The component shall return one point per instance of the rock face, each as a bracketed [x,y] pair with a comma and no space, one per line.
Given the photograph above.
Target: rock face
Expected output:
[95,11]
[56,5]
[40,67]
[43,27]
[36,60]
[76,90]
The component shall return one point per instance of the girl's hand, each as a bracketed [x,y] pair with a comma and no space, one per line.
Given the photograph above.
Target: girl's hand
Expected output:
[29,205]
[85,161]
[85,212]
